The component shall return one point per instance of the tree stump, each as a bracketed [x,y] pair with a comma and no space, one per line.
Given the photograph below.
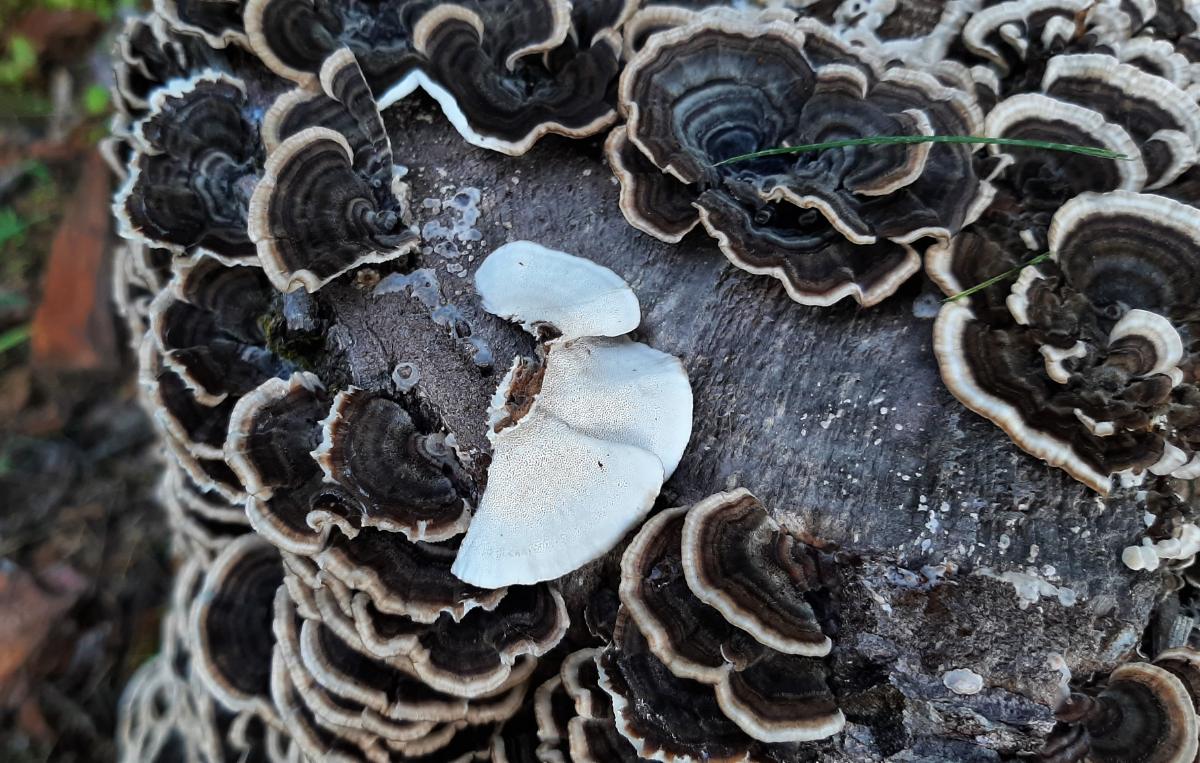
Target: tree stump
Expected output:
[956,550]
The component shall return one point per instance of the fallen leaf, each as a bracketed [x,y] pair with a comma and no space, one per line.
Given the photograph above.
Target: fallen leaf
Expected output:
[29,607]
[72,328]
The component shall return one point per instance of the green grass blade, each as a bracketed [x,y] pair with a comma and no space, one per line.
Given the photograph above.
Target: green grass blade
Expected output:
[997,279]
[14,337]
[892,140]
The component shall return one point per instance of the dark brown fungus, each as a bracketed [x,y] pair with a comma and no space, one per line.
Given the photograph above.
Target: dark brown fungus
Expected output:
[412,580]
[1162,120]
[371,447]
[717,591]
[845,222]
[592,734]
[271,432]
[480,653]
[344,104]
[295,37]
[219,22]
[195,428]
[206,325]
[1084,368]
[1143,713]
[230,624]
[505,74]
[663,716]
[738,560]
[313,216]
[189,181]
[553,710]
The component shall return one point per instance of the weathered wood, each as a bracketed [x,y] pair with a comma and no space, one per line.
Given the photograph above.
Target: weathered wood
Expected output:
[836,418]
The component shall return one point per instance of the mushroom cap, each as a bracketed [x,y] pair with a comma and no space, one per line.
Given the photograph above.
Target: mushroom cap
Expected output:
[829,225]
[230,624]
[478,66]
[313,217]
[219,22]
[412,580]
[694,641]
[556,293]
[772,696]
[1146,713]
[271,430]
[1081,367]
[1051,178]
[193,147]
[739,561]
[1163,120]
[665,717]
[372,448]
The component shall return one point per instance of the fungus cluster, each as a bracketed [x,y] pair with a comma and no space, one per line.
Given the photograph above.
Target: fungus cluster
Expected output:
[716,651]
[711,86]
[1143,711]
[354,586]
[1083,363]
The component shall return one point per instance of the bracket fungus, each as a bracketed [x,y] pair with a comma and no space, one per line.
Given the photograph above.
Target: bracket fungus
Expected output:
[365,522]
[846,222]
[326,203]
[613,414]
[696,609]
[1085,367]
[193,148]
[1145,711]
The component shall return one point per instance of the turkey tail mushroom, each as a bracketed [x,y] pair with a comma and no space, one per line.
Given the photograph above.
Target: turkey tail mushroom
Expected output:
[709,594]
[828,225]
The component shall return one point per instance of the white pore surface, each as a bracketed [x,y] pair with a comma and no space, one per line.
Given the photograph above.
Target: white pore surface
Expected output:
[620,390]
[531,285]
[609,424]
[556,499]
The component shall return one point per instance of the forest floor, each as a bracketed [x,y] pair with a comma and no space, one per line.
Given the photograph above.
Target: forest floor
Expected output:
[83,549]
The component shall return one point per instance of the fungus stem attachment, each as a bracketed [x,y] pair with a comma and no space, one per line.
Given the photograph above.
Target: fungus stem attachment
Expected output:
[997,279]
[891,140]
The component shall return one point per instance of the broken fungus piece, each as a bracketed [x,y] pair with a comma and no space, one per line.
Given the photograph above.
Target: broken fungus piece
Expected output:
[613,414]
[554,294]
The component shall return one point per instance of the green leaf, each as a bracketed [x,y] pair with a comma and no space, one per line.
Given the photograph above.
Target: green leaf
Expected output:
[892,140]
[19,62]
[11,225]
[95,100]
[997,279]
